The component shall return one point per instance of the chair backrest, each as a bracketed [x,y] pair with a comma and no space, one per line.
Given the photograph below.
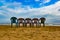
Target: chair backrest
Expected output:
[35,20]
[20,20]
[42,19]
[13,19]
[28,20]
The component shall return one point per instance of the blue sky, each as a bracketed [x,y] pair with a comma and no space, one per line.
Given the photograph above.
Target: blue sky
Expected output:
[30,8]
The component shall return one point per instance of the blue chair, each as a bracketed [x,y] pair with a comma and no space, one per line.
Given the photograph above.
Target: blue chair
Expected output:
[13,20]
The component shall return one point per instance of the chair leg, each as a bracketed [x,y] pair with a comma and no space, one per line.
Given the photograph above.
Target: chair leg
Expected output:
[26,25]
[11,25]
[23,24]
[19,24]
[36,25]
[40,24]
[30,24]
[43,24]
[16,24]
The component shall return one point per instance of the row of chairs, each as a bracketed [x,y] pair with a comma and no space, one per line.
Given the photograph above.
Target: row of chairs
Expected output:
[29,21]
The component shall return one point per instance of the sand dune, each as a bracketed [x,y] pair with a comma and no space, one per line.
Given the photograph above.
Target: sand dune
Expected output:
[27,33]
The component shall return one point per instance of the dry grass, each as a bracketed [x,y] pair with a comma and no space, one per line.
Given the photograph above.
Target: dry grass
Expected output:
[27,33]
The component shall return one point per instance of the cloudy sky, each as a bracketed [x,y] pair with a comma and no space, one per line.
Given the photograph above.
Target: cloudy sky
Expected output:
[50,9]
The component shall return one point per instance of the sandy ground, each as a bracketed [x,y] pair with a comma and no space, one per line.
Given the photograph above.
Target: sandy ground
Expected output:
[27,33]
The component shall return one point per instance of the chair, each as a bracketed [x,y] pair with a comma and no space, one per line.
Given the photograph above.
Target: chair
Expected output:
[35,21]
[42,19]
[13,20]
[28,21]
[21,21]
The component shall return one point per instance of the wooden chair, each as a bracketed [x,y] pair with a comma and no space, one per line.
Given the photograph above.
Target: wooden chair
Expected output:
[21,21]
[28,21]
[42,19]
[35,21]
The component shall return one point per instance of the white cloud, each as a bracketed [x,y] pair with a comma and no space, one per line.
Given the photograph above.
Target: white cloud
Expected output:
[43,1]
[46,1]
[52,9]
[37,0]
[27,11]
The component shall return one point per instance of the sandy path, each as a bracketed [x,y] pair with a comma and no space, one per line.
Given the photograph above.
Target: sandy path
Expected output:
[42,33]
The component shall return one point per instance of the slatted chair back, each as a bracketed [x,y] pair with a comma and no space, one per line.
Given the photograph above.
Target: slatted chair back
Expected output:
[28,20]
[13,20]
[42,19]
[35,20]
[20,20]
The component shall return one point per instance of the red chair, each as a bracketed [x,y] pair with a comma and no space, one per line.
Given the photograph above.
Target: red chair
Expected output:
[28,21]
[21,21]
[35,21]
